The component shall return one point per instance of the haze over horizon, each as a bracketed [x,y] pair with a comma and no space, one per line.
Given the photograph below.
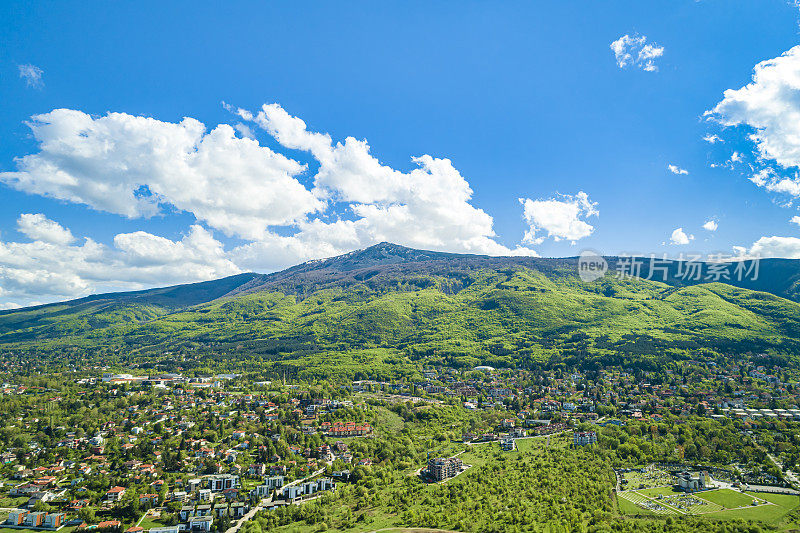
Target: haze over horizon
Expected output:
[143,151]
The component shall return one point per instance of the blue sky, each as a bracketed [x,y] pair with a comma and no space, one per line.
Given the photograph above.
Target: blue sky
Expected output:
[527,100]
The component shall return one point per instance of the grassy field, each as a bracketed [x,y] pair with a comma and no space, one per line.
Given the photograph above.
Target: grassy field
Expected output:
[149,522]
[768,514]
[626,506]
[723,504]
[12,502]
[730,499]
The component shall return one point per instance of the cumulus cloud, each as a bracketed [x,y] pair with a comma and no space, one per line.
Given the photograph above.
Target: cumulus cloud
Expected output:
[770,107]
[677,170]
[635,51]
[784,247]
[778,183]
[710,225]
[560,218]
[133,166]
[713,139]
[427,207]
[40,228]
[767,110]
[53,265]
[139,167]
[679,237]
[795,220]
[32,75]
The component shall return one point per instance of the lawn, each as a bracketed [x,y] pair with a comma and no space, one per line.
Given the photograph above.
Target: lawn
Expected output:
[730,499]
[476,456]
[628,507]
[149,522]
[12,502]
[768,514]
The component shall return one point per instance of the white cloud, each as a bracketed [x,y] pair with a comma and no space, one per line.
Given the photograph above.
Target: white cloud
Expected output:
[138,167]
[768,110]
[40,228]
[713,139]
[52,266]
[559,218]
[132,166]
[795,220]
[773,182]
[710,225]
[427,207]
[32,75]
[677,170]
[634,51]
[784,247]
[679,237]
[770,106]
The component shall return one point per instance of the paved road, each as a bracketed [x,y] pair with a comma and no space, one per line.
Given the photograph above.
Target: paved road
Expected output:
[266,501]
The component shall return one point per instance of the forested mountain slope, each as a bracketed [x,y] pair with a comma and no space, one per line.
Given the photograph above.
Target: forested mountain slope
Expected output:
[393,308]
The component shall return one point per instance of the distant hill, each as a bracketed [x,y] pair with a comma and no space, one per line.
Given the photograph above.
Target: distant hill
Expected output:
[387,309]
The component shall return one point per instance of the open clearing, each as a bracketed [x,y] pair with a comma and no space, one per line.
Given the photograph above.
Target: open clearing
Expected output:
[721,503]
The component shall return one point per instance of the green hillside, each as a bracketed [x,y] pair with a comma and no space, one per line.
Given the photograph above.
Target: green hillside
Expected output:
[385,314]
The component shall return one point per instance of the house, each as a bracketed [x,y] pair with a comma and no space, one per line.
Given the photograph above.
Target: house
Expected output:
[25,489]
[53,520]
[186,512]
[257,470]
[270,483]
[201,523]
[231,494]
[16,517]
[203,510]
[35,519]
[115,494]
[109,524]
[349,429]
[238,510]
[148,499]
[77,505]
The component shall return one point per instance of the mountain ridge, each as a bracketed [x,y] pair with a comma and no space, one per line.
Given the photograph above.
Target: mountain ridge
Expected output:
[394,307]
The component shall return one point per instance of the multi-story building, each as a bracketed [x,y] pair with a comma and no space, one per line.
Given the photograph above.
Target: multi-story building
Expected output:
[222,482]
[583,438]
[442,468]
